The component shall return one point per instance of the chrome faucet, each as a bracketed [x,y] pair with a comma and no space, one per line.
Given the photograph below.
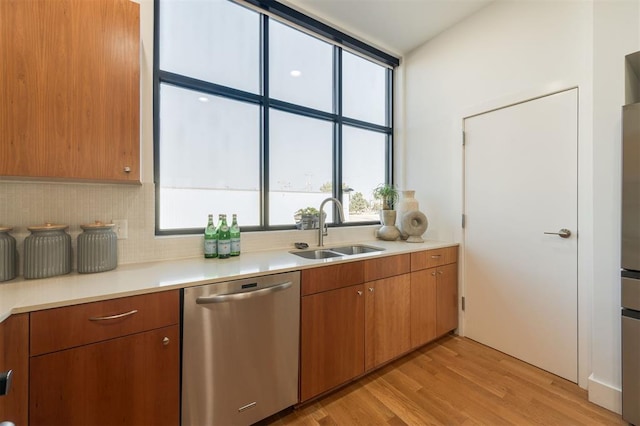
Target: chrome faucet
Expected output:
[323,231]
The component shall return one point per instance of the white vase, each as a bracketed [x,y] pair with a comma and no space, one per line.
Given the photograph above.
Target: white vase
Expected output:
[406,204]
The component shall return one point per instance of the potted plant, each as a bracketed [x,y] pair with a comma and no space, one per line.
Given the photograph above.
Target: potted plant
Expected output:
[387,194]
[307,218]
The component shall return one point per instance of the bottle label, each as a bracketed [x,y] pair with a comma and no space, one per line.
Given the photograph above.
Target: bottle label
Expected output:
[235,245]
[224,247]
[210,247]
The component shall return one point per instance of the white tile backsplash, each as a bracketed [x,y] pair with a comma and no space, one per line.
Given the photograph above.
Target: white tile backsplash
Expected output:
[23,204]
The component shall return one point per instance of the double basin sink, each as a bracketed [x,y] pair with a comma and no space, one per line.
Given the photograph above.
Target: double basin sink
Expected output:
[336,251]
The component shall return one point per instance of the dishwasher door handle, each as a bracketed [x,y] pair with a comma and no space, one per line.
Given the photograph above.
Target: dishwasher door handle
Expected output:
[219,298]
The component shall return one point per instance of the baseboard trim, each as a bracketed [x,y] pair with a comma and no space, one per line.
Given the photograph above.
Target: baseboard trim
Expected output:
[605,395]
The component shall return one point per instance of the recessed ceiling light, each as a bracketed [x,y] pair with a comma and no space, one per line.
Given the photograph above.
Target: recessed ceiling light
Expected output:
[295,73]
[203,99]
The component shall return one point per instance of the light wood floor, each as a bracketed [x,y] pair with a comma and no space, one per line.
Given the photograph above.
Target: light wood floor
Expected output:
[454,381]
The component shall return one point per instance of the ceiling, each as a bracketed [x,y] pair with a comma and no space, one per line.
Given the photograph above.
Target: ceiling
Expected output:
[397,26]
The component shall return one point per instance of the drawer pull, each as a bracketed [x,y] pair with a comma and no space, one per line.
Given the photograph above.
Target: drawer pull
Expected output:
[111,317]
[165,341]
[433,273]
[435,256]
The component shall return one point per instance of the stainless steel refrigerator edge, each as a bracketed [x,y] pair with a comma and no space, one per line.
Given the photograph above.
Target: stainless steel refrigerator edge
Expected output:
[630,285]
[240,350]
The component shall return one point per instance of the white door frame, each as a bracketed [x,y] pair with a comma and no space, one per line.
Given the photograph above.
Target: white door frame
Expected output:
[585,219]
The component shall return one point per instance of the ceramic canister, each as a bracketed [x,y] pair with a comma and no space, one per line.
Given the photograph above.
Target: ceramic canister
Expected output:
[47,251]
[97,248]
[7,255]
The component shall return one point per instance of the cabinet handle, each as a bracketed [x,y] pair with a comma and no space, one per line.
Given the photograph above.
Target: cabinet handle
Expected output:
[433,273]
[371,289]
[359,293]
[165,341]
[127,169]
[110,317]
[435,256]
[440,272]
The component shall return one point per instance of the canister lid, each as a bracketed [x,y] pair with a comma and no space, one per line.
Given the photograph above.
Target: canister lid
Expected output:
[98,225]
[47,227]
[5,228]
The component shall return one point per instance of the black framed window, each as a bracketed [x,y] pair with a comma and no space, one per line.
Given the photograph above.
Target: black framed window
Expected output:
[254,116]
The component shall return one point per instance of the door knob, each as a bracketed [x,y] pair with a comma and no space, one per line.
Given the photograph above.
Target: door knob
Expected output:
[563,233]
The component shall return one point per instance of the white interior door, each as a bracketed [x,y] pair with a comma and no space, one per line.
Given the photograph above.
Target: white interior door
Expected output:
[520,182]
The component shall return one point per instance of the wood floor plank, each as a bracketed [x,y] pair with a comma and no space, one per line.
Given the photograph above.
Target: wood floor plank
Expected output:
[454,381]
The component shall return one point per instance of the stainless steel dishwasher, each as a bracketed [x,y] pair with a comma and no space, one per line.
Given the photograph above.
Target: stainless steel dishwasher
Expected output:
[240,350]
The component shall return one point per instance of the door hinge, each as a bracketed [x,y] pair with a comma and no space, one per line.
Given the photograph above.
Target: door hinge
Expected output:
[462,303]
[464,138]
[463,220]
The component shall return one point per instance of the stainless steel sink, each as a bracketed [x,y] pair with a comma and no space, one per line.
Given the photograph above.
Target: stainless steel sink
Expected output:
[316,254]
[356,249]
[336,251]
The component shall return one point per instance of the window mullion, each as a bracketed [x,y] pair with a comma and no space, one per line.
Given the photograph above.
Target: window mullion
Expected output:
[264,137]
[389,122]
[337,134]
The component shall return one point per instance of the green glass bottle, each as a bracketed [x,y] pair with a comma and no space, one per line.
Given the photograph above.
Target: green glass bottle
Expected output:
[224,239]
[210,239]
[235,236]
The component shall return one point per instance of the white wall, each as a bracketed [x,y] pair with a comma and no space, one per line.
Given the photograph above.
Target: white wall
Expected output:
[510,52]
[615,35]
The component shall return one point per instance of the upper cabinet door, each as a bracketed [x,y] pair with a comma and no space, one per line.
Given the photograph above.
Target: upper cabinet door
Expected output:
[70,83]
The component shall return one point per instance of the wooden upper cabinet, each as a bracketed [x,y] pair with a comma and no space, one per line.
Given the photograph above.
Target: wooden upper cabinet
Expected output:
[70,84]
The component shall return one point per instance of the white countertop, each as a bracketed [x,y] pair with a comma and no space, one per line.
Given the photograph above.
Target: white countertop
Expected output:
[20,295]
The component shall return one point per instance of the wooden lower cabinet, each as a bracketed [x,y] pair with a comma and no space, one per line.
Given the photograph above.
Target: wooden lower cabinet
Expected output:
[447,299]
[434,303]
[132,380]
[423,307]
[106,363]
[332,339]
[349,328]
[14,356]
[388,319]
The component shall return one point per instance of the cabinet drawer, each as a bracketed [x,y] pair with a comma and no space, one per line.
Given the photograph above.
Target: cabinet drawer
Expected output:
[384,267]
[432,258]
[331,277]
[61,328]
